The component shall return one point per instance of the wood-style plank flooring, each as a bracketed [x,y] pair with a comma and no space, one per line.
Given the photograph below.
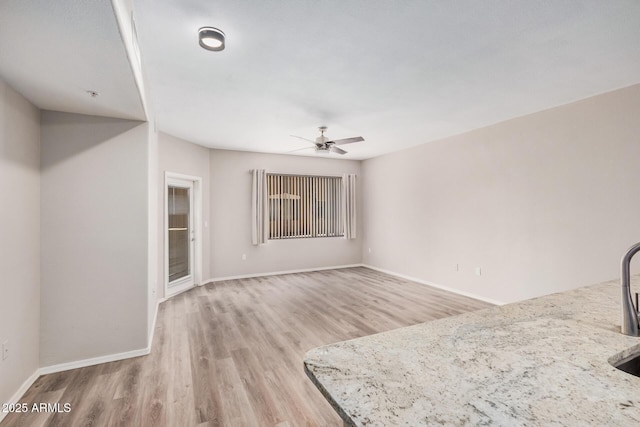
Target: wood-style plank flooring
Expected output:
[230,353]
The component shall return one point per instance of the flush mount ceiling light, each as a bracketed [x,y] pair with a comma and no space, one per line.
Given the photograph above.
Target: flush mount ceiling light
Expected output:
[211,38]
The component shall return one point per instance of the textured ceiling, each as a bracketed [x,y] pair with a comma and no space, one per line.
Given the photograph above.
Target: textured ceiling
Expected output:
[399,73]
[53,51]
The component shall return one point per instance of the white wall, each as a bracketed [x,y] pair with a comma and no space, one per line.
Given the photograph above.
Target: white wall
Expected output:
[94,237]
[180,156]
[153,239]
[542,203]
[20,239]
[124,12]
[227,209]
[230,225]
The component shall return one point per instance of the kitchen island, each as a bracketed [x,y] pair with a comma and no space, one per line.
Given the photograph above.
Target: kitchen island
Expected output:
[541,362]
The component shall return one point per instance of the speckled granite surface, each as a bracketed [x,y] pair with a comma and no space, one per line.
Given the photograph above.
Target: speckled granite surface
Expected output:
[541,362]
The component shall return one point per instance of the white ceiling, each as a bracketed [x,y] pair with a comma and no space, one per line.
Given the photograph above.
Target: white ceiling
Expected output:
[399,73]
[54,51]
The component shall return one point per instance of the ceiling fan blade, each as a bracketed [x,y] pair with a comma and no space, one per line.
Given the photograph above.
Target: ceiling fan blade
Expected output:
[301,149]
[305,139]
[337,150]
[346,140]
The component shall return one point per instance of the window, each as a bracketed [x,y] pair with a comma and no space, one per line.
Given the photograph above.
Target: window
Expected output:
[304,206]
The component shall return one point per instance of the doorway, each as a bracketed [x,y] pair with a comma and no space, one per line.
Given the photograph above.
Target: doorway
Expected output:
[182,233]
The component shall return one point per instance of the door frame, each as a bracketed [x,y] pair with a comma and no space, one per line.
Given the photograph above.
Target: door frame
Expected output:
[197,228]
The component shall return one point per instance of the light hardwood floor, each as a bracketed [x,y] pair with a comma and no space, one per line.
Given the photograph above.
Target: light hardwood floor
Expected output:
[230,353]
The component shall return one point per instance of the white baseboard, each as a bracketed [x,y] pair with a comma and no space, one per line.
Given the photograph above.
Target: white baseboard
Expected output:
[391,273]
[145,351]
[277,273]
[94,361]
[153,326]
[108,358]
[72,365]
[84,363]
[21,391]
[435,285]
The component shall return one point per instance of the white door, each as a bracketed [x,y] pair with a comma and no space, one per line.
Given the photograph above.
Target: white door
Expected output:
[180,235]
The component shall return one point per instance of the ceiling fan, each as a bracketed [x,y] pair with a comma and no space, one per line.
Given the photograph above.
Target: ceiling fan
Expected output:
[322,143]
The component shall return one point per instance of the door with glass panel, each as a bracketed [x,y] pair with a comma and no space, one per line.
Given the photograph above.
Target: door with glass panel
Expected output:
[180,235]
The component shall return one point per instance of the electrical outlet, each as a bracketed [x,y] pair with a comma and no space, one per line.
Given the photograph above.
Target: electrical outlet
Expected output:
[478,271]
[369,250]
[244,257]
[5,350]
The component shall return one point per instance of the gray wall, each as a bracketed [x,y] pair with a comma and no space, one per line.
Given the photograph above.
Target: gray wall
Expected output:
[230,225]
[542,203]
[94,226]
[20,239]
[179,156]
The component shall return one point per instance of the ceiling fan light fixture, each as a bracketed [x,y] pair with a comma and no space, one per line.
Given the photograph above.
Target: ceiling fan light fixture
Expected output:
[211,38]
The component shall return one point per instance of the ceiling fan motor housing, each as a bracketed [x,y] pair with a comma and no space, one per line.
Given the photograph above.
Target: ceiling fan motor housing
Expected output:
[323,143]
[321,140]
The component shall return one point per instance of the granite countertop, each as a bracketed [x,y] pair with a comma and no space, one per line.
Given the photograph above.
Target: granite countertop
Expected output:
[544,361]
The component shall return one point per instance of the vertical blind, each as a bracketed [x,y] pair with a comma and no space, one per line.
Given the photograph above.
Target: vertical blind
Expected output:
[304,206]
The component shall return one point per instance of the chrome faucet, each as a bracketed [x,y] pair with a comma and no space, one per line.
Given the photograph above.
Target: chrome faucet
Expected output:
[629,311]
